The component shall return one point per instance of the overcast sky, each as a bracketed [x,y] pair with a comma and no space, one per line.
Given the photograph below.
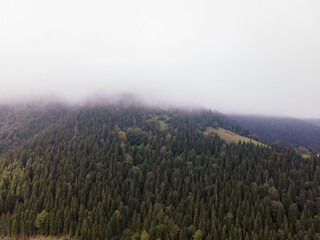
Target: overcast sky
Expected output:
[258,57]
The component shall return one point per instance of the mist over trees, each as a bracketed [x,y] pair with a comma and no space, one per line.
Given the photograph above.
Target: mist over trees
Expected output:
[133,172]
[289,131]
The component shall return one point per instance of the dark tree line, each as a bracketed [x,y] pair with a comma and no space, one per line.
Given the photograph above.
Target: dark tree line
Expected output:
[289,131]
[112,172]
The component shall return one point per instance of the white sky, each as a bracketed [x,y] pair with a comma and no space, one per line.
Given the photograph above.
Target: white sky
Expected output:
[258,57]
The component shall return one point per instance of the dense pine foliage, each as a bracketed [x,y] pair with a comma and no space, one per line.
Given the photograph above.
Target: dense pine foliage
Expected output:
[289,131]
[119,172]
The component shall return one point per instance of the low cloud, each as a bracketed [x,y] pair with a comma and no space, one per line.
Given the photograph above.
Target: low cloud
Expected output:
[236,57]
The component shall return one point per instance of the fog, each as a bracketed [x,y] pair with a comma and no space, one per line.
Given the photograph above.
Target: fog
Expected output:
[251,57]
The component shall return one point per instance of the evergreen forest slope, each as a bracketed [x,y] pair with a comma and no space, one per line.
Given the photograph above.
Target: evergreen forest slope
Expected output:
[132,172]
[289,131]
[315,121]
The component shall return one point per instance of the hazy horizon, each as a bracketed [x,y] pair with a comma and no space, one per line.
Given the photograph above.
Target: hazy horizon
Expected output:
[248,57]
[127,99]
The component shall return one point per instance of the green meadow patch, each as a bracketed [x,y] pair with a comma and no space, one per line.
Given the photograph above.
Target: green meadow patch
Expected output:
[306,156]
[230,136]
[162,120]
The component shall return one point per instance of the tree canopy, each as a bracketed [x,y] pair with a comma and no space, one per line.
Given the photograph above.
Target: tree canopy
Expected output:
[132,172]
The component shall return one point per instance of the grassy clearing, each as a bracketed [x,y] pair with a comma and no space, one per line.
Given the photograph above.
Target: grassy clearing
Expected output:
[230,137]
[163,125]
[306,156]
[162,120]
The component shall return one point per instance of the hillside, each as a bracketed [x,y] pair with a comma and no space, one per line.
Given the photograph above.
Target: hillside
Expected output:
[314,120]
[289,131]
[133,172]
[20,122]
[231,137]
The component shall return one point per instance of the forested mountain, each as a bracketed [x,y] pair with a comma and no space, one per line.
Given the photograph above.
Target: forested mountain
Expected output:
[315,121]
[289,131]
[132,172]
[21,122]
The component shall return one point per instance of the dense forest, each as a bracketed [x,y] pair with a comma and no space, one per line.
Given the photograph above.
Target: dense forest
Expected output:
[289,131]
[133,172]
